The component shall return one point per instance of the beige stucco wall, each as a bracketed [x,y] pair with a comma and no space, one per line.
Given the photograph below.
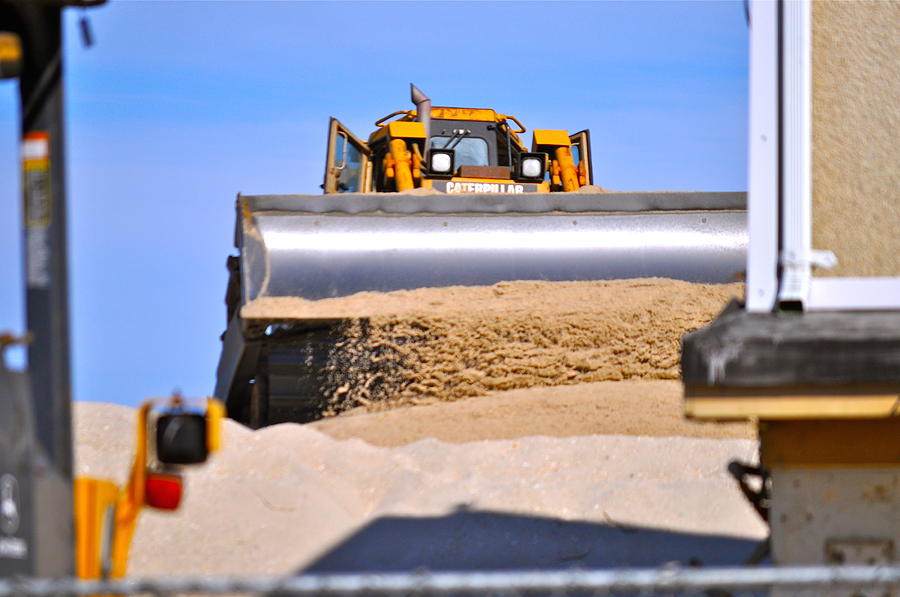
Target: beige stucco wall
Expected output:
[856,135]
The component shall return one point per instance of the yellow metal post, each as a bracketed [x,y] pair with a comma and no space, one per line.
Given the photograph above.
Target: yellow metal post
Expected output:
[95,501]
[215,412]
[568,169]
[403,177]
[131,499]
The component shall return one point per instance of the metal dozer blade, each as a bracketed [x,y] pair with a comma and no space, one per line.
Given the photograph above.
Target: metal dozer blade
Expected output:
[317,247]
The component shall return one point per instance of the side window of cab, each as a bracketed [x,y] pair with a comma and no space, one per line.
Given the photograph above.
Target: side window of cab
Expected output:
[347,164]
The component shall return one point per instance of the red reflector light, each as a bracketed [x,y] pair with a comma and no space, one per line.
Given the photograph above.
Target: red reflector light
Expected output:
[162,491]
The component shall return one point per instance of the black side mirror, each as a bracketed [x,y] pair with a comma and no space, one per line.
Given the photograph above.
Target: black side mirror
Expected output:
[181,438]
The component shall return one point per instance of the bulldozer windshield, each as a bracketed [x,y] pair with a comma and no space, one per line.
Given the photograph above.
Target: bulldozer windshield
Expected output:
[470,151]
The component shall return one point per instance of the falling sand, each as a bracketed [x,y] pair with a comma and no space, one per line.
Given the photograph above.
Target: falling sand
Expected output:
[436,344]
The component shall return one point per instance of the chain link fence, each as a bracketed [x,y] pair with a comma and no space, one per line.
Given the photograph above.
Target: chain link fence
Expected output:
[660,581]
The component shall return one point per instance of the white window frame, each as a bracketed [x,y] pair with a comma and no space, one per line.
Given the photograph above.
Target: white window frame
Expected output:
[763,138]
[786,147]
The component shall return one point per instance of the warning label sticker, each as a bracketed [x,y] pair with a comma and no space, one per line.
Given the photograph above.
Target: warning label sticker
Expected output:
[36,175]
[10,546]
[38,206]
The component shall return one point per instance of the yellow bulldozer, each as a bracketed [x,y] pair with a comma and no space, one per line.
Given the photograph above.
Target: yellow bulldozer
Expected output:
[440,196]
[455,150]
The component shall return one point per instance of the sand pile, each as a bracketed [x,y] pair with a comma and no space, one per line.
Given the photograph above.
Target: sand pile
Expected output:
[289,497]
[591,188]
[431,344]
[636,407]
[565,360]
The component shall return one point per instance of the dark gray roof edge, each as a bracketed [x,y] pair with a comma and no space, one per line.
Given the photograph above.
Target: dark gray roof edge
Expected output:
[398,203]
[745,350]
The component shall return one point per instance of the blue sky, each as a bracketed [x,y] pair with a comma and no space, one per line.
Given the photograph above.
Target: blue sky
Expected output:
[181,105]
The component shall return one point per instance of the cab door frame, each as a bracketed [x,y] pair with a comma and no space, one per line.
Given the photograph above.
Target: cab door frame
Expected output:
[582,140]
[336,166]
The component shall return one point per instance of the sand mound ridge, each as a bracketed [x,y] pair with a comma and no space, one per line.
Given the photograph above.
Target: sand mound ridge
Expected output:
[633,407]
[431,344]
[283,498]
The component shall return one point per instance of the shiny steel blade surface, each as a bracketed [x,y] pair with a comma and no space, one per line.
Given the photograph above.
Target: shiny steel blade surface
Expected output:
[311,255]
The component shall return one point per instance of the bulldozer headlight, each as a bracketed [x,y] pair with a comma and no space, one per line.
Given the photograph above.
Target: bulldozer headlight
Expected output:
[531,166]
[441,161]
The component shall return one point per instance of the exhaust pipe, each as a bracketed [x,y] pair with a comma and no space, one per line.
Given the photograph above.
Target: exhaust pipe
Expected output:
[423,112]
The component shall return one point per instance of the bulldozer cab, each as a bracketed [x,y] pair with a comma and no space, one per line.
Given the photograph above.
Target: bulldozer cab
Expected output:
[455,150]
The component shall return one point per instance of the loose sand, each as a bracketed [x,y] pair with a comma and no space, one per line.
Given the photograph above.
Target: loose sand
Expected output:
[289,497]
[518,477]
[433,344]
